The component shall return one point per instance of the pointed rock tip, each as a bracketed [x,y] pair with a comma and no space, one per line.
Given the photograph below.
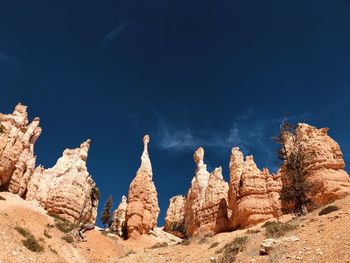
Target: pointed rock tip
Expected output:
[198,155]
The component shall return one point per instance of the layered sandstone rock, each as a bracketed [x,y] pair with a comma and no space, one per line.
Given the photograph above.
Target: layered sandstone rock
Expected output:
[118,220]
[322,162]
[143,210]
[67,189]
[206,202]
[175,217]
[17,139]
[253,194]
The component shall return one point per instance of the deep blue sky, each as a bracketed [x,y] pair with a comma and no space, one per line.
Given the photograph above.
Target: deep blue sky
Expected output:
[215,74]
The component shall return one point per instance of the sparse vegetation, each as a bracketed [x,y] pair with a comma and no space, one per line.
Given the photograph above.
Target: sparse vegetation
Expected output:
[275,229]
[63,224]
[328,209]
[186,242]
[159,245]
[106,213]
[24,232]
[180,227]
[231,250]
[2,198]
[253,231]
[215,244]
[68,238]
[30,242]
[2,128]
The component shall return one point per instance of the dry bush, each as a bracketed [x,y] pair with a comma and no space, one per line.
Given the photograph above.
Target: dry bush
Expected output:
[275,229]
[159,245]
[30,242]
[63,224]
[231,250]
[2,198]
[328,209]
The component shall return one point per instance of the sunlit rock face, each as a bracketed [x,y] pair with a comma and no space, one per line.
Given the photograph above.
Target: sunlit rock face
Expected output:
[17,139]
[206,202]
[66,189]
[175,217]
[142,210]
[323,163]
[118,220]
[253,194]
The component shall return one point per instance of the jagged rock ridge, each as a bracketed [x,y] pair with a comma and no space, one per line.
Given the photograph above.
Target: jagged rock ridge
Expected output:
[67,188]
[253,194]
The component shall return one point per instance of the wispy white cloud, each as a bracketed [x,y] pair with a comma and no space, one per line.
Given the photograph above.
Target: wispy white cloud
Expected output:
[115,33]
[253,136]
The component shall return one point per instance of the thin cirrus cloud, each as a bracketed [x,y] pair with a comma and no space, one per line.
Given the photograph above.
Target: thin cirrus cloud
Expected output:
[113,35]
[250,135]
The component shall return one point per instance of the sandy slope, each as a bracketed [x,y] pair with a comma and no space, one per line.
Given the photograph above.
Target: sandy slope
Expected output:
[322,239]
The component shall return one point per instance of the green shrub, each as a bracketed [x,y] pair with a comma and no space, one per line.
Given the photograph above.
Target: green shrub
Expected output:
[231,250]
[68,238]
[328,209]
[63,224]
[159,245]
[32,244]
[276,229]
[2,198]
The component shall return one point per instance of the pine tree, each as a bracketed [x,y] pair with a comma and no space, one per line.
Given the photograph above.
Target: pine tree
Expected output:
[296,188]
[106,214]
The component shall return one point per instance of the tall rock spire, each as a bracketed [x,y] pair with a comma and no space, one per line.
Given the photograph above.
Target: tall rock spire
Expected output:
[17,139]
[142,210]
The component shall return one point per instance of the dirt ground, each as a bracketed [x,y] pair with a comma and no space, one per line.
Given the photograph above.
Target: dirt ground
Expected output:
[321,239]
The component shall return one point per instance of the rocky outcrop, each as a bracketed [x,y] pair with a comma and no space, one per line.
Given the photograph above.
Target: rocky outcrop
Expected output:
[17,139]
[206,202]
[143,210]
[118,220]
[67,189]
[322,162]
[175,217]
[253,194]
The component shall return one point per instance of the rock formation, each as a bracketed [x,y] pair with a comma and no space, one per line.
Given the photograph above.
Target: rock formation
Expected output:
[322,162]
[253,194]
[17,139]
[175,217]
[67,189]
[206,202]
[118,220]
[143,210]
